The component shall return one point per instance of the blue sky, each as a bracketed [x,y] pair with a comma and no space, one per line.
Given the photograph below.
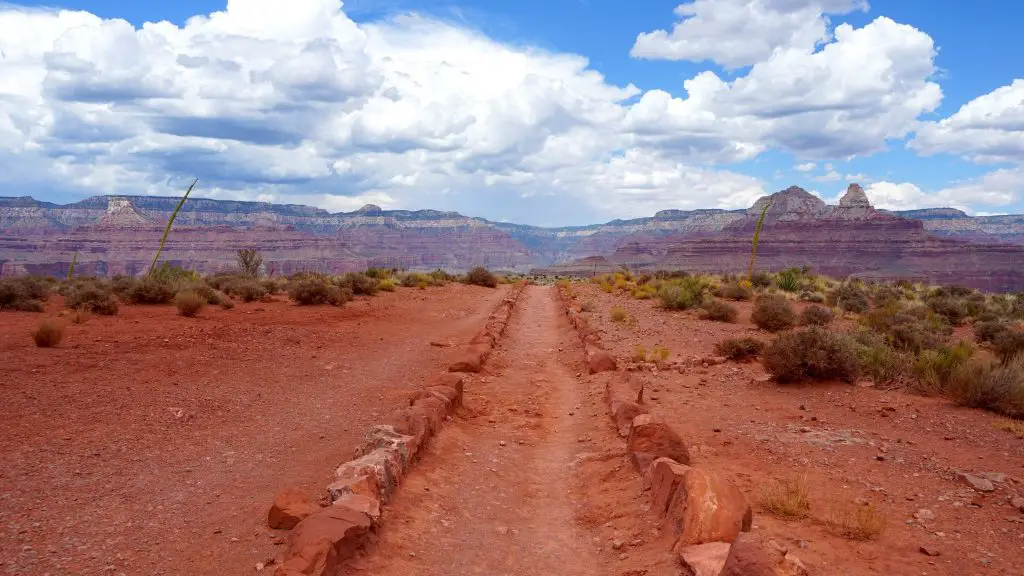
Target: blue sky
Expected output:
[546,112]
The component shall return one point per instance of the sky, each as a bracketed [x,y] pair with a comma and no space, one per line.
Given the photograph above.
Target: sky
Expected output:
[544,112]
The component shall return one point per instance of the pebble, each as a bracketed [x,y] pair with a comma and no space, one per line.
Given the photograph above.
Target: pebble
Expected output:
[929,551]
[501,443]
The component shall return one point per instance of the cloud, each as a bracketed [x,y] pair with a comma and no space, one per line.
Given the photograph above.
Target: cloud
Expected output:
[989,128]
[805,167]
[997,188]
[830,176]
[737,33]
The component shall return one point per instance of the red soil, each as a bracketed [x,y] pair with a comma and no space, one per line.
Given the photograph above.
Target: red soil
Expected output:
[149,443]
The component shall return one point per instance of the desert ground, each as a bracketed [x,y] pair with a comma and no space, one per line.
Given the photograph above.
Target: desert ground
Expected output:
[148,443]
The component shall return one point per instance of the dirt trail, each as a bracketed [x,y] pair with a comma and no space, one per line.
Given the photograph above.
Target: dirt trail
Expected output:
[494,492]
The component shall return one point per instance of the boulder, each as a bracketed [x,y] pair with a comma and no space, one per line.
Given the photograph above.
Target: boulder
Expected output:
[650,438]
[666,475]
[360,503]
[704,559]
[470,358]
[624,387]
[598,360]
[623,413]
[434,409]
[375,475]
[319,545]
[413,422]
[707,508]
[386,437]
[450,396]
[978,483]
[449,379]
[290,506]
[747,558]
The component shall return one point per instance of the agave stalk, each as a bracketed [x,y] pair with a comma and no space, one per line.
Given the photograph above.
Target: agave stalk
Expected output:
[71,269]
[757,235]
[168,228]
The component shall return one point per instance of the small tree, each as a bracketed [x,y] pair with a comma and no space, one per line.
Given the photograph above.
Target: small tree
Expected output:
[249,261]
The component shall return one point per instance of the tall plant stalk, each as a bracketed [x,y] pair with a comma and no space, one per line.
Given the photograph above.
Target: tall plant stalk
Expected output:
[169,223]
[71,269]
[757,235]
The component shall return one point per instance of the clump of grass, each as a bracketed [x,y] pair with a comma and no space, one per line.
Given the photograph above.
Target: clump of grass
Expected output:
[246,289]
[935,369]
[736,291]
[739,348]
[812,354]
[856,522]
[850,297]
[48,334]
[639,353]
[773,313]
[991,386]
[660,353]
[789,280]
[227,304]
[79,316]
[1008,344]
[359,284]
[789,498]
[481,276]
[387,285]
[644,291]
[589,306]
[315,291]
[880,361]
[719,311]
[816,316]
[150,291]
[91,296]
[189,303]
[910,329]
[949,307]
[682,293]
[23,293]
[1015,427]
[618,314]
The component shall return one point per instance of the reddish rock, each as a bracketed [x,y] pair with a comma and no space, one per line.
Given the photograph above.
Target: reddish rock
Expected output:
[624,387]
[375,475]
[470,358]
[413,422]
[387,438]
[450,396]
[747,558]
[704,559]
[623,413]
[598,360]
[434,409]
[978,483]
[360,503]
[484,337]
[650,437]
[666,475]
[322,542]
[707,508]
[290,506]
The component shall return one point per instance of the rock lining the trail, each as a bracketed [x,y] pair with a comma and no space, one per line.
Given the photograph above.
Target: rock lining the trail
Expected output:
[709,515]
[325,538]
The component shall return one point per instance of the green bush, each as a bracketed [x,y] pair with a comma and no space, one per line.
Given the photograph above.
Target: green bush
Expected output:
[360,284]
[246,289]
[719,311]
[812,353]
[24,293]
[739,348]
[789,280]
[480,276]
[935,369]
[950,308]
[761,280]
[314,291]
[773,313]
[189,303]
[987,331]
[911,329]
[1008,344]
[816,316]
[682,293]
[880,361]
[816,298]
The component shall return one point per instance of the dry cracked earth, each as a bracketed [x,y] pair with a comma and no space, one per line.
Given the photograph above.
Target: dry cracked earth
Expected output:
[152,444]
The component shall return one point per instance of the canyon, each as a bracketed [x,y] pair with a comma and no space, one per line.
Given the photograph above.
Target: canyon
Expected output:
[108,235]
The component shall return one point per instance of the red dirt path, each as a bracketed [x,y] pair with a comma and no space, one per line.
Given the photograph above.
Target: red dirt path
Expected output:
[148,443]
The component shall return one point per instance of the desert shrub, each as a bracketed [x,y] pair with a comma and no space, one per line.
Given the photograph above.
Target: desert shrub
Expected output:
[204,290]
[415,280]
[736,291]
[79,316]
[618,314]
[249,290]
[481,276]
[761,280]
[950,308]
[150,291]
[1008,344]
[885,294]
[378,273]
[189,303]
[24,293]
[936,368]
[813,297]
[644,291]
[313,291]
[952,290]
[856,522]
[387,285]
[589,306]
[995,387]
[789,280]
[773,312]
[719,311]
[789,498]
[812,353]
[273,285]
[987,331]
[816,316]
[639,353]
[173,277]
[123,285]
[682,293]
[227,304]
[48,334]
[849,297]
[911,329]
[659,353]
[739,348]
[249,262]
[441,277]
[359,284]
[92,296]
[880,361]
[976,304]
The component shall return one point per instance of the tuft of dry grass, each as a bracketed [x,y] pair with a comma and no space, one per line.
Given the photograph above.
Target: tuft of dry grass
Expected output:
[639,354]
[660,353]
[189,303]
[618,314]
[787,498]
[48,334]
[79,316]
[739,348]
[1015,427]
[719,311]
[856,522]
